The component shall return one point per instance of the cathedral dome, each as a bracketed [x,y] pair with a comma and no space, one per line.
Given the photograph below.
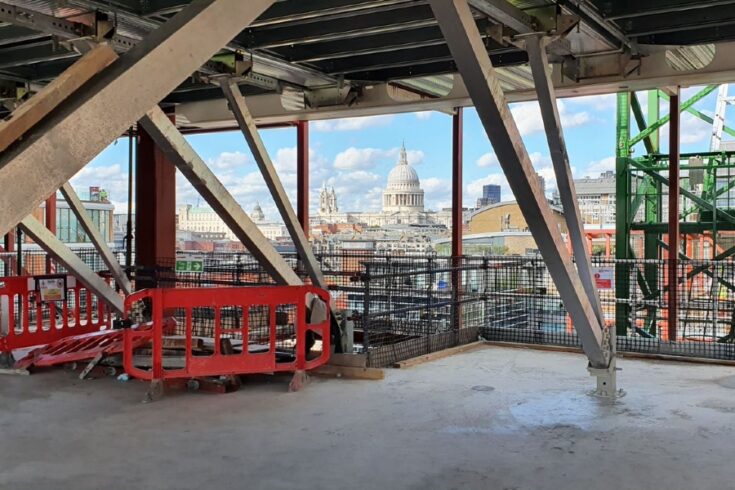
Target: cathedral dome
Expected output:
[403,176]
[257,214]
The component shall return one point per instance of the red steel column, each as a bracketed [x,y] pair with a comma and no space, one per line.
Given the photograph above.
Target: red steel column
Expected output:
[155,210]
[673,212]
[302,174]
[50,219]
[457,135]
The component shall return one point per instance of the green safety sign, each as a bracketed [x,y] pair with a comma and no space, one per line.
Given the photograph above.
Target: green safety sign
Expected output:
[189,265]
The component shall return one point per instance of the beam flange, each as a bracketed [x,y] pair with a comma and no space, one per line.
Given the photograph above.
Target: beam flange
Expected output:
[190,164]
[464,40]
[536,48]
[99,242]
[88,122]
[247,125]
[63,254]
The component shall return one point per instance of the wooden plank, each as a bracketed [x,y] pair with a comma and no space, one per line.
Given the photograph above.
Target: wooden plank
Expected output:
[40,105]
[349,360]
[438,355]
[348,372]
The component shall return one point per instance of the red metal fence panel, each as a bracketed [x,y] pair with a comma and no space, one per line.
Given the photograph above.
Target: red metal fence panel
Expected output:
[27,321]
[249,328]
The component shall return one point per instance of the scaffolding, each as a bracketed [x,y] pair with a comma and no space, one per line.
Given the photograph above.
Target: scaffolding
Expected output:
[704,202]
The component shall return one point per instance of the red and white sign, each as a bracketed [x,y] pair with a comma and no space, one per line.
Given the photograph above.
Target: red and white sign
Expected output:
[604,277]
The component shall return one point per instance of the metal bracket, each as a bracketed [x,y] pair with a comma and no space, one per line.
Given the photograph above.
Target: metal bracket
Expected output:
[607,386]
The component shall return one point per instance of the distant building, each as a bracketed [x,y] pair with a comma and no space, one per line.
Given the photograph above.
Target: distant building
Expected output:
[506,216]
[402,203]
[503,225]
[68,229]
[205,220]
[490,195]
[596,198]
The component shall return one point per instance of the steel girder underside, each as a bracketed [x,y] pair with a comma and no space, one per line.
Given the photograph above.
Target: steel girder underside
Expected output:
[326,58]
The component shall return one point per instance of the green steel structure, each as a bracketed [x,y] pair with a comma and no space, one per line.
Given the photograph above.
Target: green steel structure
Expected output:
[706,209]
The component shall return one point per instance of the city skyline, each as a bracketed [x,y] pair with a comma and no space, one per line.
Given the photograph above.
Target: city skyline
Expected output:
[355,155]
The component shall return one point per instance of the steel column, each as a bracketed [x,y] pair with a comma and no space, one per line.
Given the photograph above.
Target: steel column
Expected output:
[60,145]
[673,262]
[183,156]
[268,170]
[537,58]
[457,157]
[457,148]
[469,53]
[50,221]
[622,213]
[59,251]
[99,242]
[302,174]
[155,204]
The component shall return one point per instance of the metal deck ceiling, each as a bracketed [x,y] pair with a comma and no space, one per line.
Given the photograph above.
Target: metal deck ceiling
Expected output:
[302,45]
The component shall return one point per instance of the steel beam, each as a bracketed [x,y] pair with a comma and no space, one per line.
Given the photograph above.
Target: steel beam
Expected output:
[59,251]
[507,14]
[459,29]
[88,122]
[302,174]
[99,242]
[536,48]
[183,156]
[268,170]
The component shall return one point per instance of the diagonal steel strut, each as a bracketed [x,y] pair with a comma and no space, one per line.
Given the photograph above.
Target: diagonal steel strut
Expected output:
[183,156]
[59,146]
[537,58]
[469,53]
[64,255]
[247,125]
[99,242]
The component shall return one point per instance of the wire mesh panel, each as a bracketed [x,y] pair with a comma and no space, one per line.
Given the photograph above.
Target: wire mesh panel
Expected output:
[408,305]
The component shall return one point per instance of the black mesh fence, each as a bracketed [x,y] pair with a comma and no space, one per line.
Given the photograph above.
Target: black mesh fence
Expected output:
[404,306]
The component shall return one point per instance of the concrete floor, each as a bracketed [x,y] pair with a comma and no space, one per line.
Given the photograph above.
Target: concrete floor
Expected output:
[494,418]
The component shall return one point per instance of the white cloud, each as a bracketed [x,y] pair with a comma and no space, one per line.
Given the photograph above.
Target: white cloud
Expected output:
[229,160]
[528,117]
[367,158]
[488,159]
[358,158]
[599,166]
[352,123]
[423,115]
[114,179]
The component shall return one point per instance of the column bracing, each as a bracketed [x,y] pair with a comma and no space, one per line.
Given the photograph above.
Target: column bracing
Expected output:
[468,50]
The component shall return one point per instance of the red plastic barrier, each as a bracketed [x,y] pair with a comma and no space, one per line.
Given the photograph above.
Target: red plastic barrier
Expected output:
[26,321]
[164,302]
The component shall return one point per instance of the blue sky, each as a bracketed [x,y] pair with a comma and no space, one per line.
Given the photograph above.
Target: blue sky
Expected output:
[355,155]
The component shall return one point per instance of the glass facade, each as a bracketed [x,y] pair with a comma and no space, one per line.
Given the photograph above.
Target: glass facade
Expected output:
[68,229]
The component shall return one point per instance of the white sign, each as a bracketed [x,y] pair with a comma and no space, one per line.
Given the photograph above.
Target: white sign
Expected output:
[604,277]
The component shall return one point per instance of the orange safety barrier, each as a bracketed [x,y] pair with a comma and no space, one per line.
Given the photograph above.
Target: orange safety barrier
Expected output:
[233,313]
[27,321]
